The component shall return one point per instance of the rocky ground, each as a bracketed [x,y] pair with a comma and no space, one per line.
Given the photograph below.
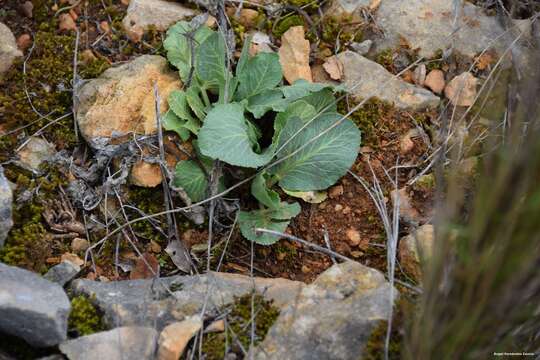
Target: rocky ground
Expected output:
[88,271]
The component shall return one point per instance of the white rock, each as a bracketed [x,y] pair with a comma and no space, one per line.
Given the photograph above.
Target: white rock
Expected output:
[429,26]
[122,343]
[365,78]
[6,199]
[461,90]
[142,14]
[8,49]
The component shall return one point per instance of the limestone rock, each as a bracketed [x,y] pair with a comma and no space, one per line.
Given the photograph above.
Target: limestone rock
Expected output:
[121,101]
[332,318]
[365,78]
[361,48]
[160,14]
[294,55]
[416,248]
[32,308]
[8,49]
[62,273]
[6,200]
[147,302]
[123,343]
[461,90]
[145,174]
[435,81]
[175,337]
[429,26]
[35,152]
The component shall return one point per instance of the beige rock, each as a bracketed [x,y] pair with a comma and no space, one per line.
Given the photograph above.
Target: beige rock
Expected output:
[334,68]
[8,49]
[248,17]
[366,79]
[353,236]
[79,245]
[416,248]
[145,174]
[35,152]
[294,55]
[335,191]
[66,23]
[160,14]
[435,81]
[461,90]
[174,338]
[72,258]
[121,101]
[216,326]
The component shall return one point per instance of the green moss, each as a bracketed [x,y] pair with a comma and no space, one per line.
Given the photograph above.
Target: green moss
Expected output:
[385,58]
[286,23]
[28,243]
[84,317]
[238,321]
[343,28]
[368,119]
[437,62]
[426,182]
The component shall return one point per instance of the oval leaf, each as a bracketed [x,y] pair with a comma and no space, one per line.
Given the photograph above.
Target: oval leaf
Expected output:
[260,73]
[225,135]
[319,164]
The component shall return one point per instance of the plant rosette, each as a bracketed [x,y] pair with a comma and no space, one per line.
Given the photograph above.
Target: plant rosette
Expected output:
[312,145]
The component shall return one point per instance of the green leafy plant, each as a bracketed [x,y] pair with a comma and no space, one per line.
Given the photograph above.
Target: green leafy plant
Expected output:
[311,147]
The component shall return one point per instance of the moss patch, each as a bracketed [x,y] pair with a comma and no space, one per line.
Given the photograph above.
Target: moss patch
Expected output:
[238,322]
[84,318]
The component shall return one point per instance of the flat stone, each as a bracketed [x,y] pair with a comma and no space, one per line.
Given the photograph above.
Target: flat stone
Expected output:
[123,343]
[365,78]
[35,152]
[121,101]
[429,26]
[332,318]
[294,55]
[8,49]
[461,90]
[175,337]
[435,81]
[32,308]
[159,14]
[62,273]
[416,248]
[6,200]
[147,302]
[361,48]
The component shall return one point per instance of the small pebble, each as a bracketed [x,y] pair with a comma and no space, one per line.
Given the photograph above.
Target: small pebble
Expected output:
[338,207]
[435,81]
[353,236]
[104,26]
[347,210]
[24,41]
[66,23]
[79,245]
[27,8]
[306,269]
[335,191]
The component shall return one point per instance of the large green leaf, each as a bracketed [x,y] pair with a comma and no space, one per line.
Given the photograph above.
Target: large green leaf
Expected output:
[315,164]
[210,60]
[299,109]
[171,122]
[268,100]
[178,104]
[322,101]
[261,72]
[266,196]
[301,88]
[269,219]
[189,176]
[225,135]
[178,45]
